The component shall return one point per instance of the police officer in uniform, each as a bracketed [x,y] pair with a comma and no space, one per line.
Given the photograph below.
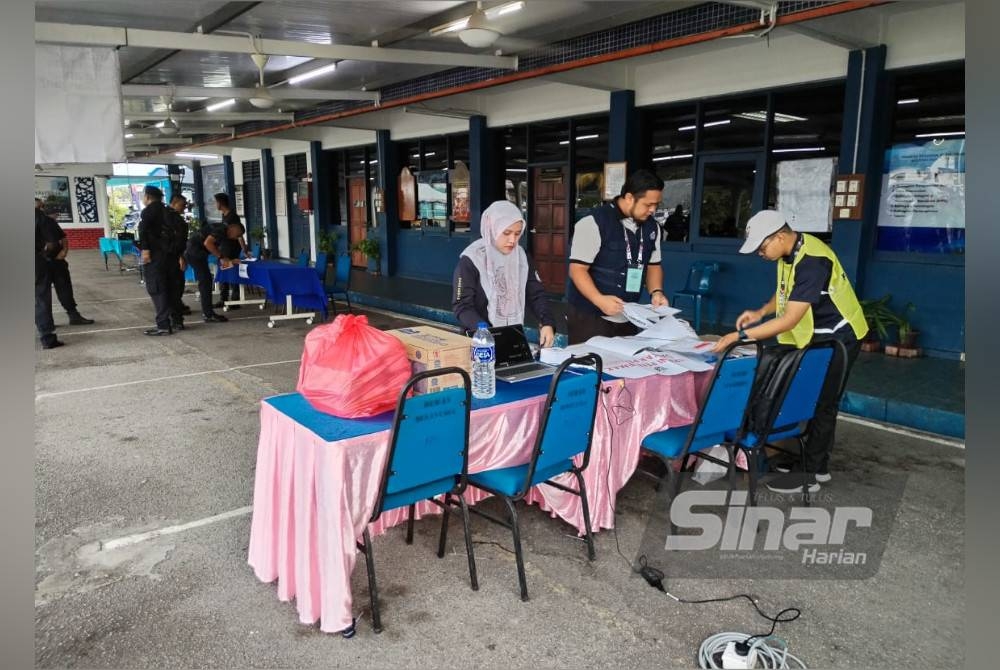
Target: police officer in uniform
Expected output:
[174,264]
[154,246]
[814,299]
[199,246]
[58,267]
[613,251]
[48,237]
[230,244]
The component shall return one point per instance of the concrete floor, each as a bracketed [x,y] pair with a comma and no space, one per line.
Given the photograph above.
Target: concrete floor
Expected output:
[136,434]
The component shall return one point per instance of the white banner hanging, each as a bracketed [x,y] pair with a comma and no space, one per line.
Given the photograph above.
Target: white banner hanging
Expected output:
[78,107]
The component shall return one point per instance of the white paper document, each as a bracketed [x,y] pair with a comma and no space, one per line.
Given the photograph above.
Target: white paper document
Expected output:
[670,328]
[244,271]
[646,316]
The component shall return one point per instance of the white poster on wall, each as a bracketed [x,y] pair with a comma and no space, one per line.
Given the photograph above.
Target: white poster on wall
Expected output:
[78,107]
[804,193]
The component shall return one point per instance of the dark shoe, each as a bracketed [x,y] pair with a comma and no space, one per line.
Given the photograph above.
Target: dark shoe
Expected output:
[215,318]
[185,310]
[219,305]
[791,482]
[823,476]
[78,320]
[157,331]
[177,325]
[52,345]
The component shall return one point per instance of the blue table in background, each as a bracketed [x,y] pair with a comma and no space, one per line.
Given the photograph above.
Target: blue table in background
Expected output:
[293,285]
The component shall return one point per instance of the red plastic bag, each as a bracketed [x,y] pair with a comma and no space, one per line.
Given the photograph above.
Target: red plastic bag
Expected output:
[350,369]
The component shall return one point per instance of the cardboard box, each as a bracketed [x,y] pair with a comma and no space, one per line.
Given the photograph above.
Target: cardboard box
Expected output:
[431,348]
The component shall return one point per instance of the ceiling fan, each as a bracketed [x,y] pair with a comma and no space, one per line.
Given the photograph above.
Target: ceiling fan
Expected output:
[169,126]
[476,30]
[262,99]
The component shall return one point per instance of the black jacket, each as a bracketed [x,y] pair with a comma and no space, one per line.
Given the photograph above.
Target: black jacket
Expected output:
[470,305]
[151,237]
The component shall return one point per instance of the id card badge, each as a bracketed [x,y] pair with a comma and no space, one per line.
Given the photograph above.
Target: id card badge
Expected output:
[633,279]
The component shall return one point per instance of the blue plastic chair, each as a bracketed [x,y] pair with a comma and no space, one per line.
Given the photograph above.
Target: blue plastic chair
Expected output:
[794,407]
[255,250]
[428,457]
[722,410]
[699,283]
[341,283]
[304,258]
[566,431]
[321,265]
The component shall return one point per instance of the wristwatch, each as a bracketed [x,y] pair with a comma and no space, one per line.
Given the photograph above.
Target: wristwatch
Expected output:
[742,335]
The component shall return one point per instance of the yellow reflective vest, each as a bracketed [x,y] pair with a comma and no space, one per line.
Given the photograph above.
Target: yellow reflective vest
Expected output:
[839,289]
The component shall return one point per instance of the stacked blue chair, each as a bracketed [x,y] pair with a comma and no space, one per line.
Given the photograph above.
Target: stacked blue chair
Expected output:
[722,411]
[566,431]
[428,457]
[790,415]
[255,250]
[321,265]
[341,283]
[697,287]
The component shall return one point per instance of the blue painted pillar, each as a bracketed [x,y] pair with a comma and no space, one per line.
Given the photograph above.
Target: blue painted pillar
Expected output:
[623,130]
[227,168]
[267,186]
[322,209]
[174,173]
[866,107]
[388,219]
[483,171]
[199,191]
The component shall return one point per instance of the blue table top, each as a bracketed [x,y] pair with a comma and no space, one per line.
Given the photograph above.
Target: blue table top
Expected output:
[331,428]
[279,280]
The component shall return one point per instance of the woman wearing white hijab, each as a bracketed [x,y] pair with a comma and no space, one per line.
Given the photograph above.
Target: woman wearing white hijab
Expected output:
[494,278]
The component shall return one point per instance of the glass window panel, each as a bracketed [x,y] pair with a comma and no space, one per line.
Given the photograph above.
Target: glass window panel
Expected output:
[550,142]
[727,195]
[591,152]
[732,123]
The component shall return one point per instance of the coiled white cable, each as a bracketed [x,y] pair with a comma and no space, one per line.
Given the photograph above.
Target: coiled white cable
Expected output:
[769,656]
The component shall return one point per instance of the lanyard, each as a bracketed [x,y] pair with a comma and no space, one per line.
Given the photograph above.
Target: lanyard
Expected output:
[628,247]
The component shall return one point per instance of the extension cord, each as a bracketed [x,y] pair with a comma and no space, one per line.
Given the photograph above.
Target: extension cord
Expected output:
[739,656]
[770,653]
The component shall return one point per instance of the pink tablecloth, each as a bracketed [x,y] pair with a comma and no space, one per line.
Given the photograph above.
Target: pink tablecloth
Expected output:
[313,498]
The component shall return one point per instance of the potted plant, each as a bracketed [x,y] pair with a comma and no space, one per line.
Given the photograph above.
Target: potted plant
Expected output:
[880,318]
[370,248]
[907,344]
[257,235]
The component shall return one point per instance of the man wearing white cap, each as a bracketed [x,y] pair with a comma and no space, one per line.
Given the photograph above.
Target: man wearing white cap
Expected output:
[814,299]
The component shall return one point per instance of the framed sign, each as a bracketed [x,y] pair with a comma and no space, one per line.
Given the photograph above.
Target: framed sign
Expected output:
[240,206]
[460,180]
[54,193]
[614,179]
[848,195]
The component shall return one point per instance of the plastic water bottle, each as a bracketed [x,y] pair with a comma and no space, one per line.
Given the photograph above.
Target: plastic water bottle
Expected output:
[484,381]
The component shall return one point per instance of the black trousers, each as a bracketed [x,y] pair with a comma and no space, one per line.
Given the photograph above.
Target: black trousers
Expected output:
[59,269]
[582,325]
[43,301]
[157,285]
[202,273]
[175,288]
[819,442]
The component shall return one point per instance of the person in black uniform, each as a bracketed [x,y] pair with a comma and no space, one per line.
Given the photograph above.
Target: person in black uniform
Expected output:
[174,264]
[199,246]
[48,236]
[154,246]
[230,244]
[59,270]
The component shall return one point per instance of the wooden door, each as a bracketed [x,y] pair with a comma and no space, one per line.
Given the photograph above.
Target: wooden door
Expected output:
[358,217]
[548,226]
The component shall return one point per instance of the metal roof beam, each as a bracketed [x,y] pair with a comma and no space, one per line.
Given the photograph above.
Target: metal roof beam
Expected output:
[210,116]
[290,93]
[67,33]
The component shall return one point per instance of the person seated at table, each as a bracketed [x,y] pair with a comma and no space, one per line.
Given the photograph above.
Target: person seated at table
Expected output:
[231,244]
[495,278]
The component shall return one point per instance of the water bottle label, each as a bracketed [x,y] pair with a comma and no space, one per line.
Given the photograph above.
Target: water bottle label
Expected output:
[483,354]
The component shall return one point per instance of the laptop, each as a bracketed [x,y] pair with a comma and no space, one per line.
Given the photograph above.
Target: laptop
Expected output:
[514,362]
